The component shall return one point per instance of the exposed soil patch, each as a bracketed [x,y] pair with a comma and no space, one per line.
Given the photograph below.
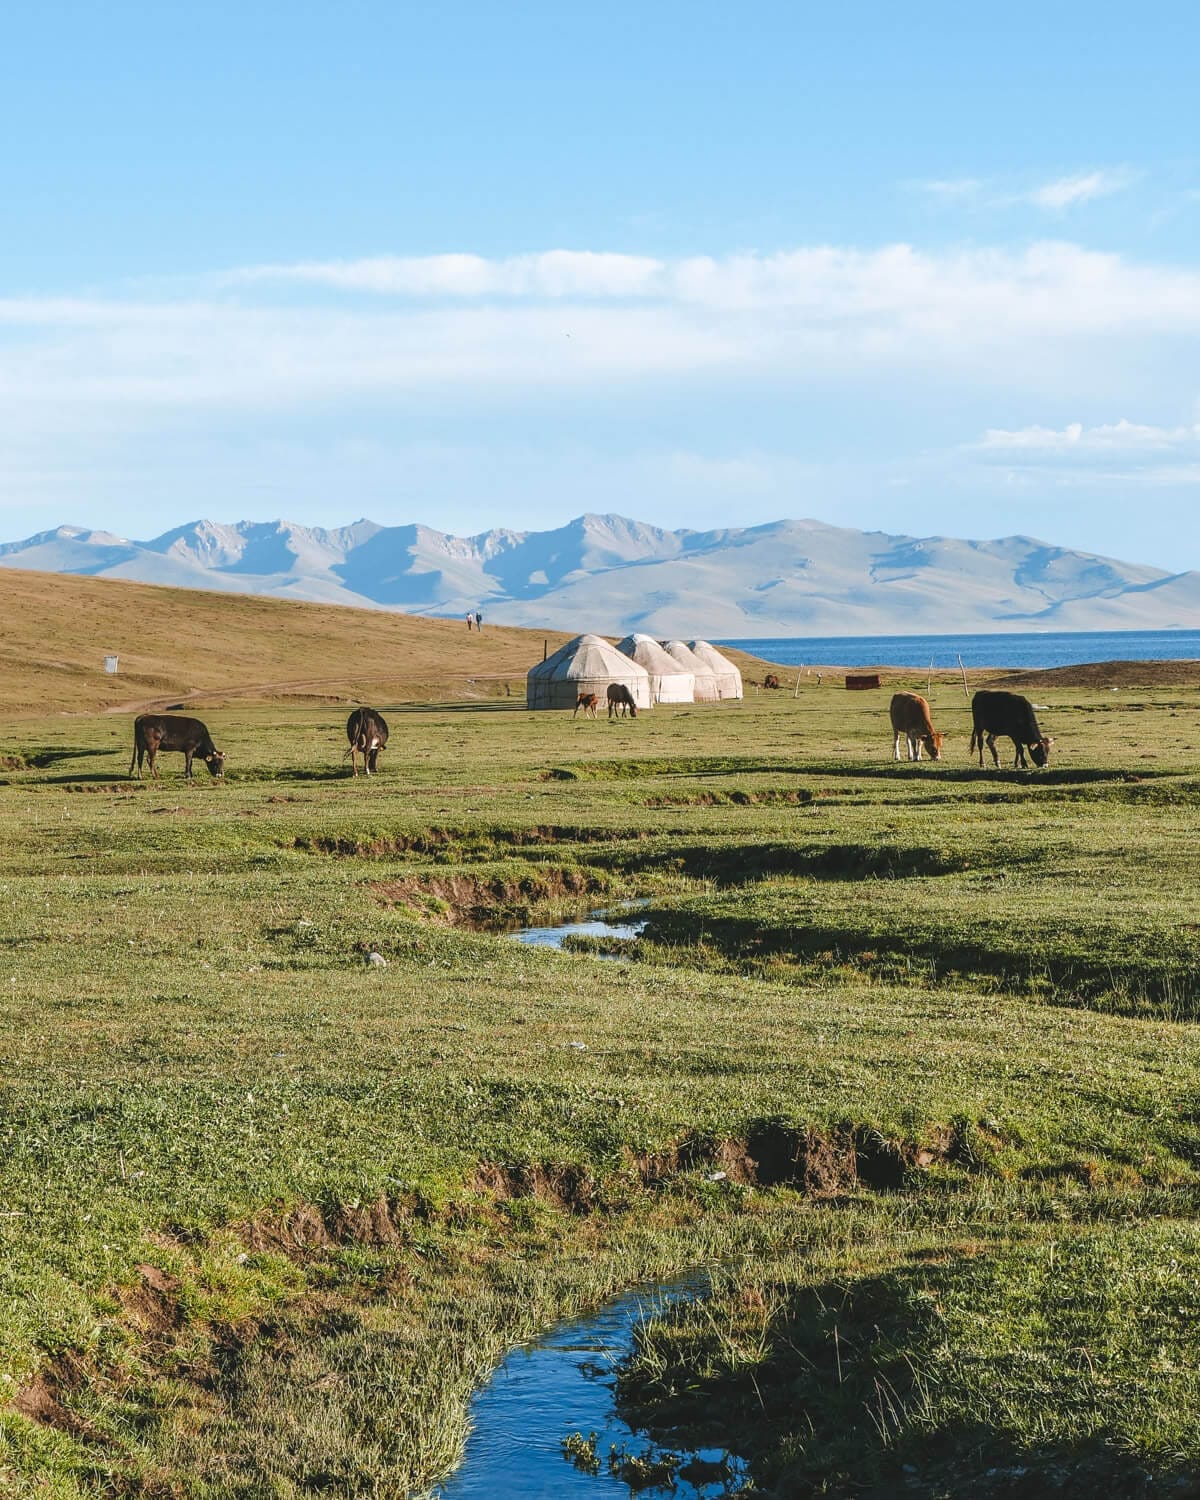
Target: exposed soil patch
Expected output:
[487,902]
[43,1398]
[152,1303]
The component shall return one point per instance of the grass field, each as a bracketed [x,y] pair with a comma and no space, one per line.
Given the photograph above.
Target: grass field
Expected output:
[908,1056]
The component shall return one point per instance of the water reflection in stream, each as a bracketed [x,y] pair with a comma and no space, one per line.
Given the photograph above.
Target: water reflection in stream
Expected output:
[563,1384]
[599,924]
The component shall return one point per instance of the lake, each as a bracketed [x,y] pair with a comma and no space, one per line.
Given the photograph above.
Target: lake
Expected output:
[1029,650]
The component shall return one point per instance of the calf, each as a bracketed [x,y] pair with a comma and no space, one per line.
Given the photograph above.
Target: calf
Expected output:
[911,721]
[367,731]
[620,701]
[1011,715]
[589,702]
[155,732]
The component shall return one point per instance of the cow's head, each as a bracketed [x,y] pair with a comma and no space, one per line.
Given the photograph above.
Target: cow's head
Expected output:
[216,762]
[933,744]
[1040,751]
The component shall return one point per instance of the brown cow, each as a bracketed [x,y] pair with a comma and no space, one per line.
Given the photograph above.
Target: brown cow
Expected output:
[910,720]
[620,701]
[770,680]
[589,702]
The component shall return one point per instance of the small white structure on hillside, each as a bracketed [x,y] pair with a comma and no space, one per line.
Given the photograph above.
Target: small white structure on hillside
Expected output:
[586,664]
[729,679]
[669,682]
[706,689]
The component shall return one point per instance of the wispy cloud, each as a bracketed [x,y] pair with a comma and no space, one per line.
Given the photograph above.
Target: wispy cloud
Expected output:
[397,327]
[1112,437]
[1055,196]
[1067,192]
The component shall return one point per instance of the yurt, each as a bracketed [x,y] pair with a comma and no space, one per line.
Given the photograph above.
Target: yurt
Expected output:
[729,679]
[706,689]
[584,665]
[669,682]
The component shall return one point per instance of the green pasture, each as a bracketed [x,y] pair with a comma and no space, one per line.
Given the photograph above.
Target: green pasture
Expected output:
[908,1056]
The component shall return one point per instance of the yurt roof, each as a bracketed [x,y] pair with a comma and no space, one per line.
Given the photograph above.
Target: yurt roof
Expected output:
[707,652]
[588,656]
[646,650]
[682,653]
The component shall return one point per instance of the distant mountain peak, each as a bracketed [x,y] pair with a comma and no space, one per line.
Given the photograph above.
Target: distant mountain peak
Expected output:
[602,571]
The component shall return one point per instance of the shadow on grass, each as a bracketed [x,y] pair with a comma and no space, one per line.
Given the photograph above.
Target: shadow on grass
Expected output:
[859,1388]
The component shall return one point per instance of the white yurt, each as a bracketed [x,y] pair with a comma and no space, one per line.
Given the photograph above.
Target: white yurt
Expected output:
[669,682]
[706,689]
[729,679]
[586,664]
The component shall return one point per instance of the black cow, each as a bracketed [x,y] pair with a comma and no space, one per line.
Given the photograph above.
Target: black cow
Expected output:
[620,700]
[1011,715]
[155,732]
[367,731]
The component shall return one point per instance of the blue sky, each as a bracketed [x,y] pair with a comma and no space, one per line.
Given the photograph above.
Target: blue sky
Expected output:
[907,268]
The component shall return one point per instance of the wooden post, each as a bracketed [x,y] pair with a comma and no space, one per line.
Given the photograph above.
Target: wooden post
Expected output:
[545,649]
[963,670]
[796,692]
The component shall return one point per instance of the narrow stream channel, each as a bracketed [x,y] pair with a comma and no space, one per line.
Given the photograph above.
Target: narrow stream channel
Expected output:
[607,924]
[563,1384]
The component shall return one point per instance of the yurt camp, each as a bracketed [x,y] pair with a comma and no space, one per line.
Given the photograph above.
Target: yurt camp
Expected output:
[586,664]
[729,679]
[706,689]
[669,682]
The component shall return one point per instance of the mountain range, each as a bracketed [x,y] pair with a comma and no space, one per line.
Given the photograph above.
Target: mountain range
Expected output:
[611,574]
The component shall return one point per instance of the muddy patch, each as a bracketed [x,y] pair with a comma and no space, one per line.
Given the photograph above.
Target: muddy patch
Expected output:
[488,903]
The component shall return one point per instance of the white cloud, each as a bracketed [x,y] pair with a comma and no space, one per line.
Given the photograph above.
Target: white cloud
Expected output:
[1114,437]
[561,320]
[1066,192]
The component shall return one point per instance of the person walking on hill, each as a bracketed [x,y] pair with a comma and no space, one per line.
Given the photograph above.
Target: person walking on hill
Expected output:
[470,619]
[479,621]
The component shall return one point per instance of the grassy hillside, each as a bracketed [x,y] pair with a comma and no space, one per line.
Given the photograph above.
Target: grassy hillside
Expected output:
[908,1055]
[55,632]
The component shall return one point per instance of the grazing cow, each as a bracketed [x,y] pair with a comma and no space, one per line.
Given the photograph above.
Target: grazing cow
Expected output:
[770,680]
[589,702]
[367,731]
[620,701]
[1011,715]
[911,721]
[155,732]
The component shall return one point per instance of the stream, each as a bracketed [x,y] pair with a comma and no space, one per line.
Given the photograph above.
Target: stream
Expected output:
[562,1384]
[596,924]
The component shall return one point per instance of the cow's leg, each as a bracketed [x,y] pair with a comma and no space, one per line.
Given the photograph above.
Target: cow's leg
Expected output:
[991,744]
[135,759]
[152,757]
[914,747]
[1019,758]
[896,745]
[187,764]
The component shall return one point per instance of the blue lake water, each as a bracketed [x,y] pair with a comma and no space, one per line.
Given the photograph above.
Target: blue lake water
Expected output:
[1025,650]
[562,1384]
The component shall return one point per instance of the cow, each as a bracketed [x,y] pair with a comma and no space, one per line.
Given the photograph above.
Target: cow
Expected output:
[367,731]
[911,722]
[620,701]
[589,702]
[770,680]
[1011,715]
[155,732]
